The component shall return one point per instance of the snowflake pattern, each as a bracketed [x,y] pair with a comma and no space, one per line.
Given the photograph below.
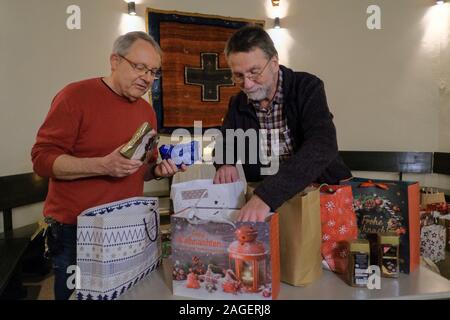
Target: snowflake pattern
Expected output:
[330,205]
[343,229]
[331,223]
[338,224]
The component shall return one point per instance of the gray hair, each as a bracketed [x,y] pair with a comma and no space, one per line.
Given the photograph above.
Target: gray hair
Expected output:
[124,42]
[248,38]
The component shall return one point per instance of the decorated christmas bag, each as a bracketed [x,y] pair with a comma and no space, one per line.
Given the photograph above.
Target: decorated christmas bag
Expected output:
[339,225]
[118,244]
[431,196]
[390,206]
[432,242]
[213,255]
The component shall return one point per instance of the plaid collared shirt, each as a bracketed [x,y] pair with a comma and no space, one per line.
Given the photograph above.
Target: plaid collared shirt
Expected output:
[272,119]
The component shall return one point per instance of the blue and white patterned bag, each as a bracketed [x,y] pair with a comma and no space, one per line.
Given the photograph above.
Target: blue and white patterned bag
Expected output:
[118,244]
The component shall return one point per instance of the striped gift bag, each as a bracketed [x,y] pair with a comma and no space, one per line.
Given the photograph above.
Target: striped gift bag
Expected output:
[118,244]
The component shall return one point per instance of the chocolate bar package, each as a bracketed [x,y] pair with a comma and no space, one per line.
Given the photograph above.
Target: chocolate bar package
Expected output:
[142,141]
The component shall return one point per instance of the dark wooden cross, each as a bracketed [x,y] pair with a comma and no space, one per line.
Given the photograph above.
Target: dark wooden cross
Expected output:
[209,77]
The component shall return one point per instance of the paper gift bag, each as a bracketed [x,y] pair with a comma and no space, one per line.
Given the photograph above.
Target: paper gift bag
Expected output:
[205,194]
[431,196]
[215,257]
[300,237]
[432,242]
[117,245]
[390,206]
[339,225]
[445,222]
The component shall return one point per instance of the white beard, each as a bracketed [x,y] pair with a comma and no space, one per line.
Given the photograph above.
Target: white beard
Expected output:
[260,94]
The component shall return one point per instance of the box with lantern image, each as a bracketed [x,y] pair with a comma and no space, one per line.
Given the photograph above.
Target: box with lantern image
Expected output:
[214,257]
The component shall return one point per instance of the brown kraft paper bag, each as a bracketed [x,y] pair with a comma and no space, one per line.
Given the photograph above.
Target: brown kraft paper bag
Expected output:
[300,237]
[428,196]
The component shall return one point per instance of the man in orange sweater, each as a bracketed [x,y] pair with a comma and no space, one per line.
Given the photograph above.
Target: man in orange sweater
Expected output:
[78,145]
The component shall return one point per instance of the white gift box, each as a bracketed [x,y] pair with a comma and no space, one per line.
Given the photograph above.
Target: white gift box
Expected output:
[205,194]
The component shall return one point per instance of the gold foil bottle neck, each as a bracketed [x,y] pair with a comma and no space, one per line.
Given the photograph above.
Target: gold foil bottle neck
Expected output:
[135,148]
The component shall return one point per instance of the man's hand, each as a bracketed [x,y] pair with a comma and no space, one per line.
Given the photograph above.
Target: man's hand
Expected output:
[67,167]
[226,174]
[167,168]
[116,165]
[254,210]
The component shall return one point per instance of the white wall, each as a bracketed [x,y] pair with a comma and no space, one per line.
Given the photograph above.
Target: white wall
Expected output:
[389,89]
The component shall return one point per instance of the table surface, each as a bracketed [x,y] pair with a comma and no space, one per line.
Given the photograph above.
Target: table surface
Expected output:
[421,284]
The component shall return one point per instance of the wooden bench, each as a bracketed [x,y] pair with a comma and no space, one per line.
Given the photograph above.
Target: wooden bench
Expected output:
[17,191]
[380,161]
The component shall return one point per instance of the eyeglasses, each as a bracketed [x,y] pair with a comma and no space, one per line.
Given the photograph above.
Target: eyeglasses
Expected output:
[253,76]
[141,69]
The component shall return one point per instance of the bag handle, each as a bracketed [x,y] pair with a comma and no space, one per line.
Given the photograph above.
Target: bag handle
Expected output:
[156,225]
[370,184]
[328,190]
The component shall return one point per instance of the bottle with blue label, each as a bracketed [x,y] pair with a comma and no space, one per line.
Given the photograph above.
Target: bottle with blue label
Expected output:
[186,153]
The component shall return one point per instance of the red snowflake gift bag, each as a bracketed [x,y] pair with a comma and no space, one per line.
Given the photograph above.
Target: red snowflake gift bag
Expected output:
[339,225]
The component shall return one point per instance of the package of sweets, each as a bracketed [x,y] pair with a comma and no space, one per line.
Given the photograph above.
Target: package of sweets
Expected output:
[142,141]
[186,153]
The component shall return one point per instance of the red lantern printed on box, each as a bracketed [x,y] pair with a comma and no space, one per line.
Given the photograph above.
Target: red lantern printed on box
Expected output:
[248,258]
[339,225]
